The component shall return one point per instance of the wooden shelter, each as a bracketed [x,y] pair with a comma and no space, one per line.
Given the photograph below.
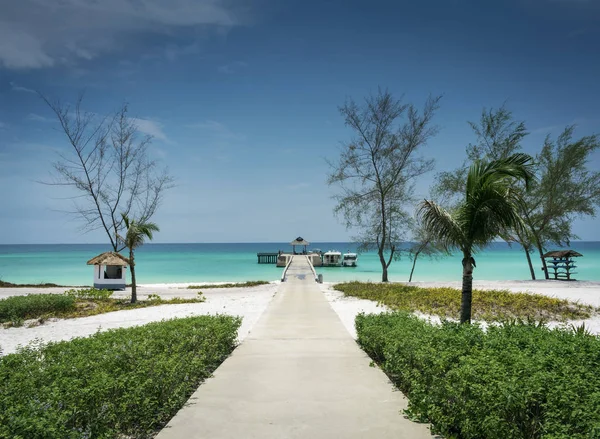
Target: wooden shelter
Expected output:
[561,263]
[110,273]
[299,241]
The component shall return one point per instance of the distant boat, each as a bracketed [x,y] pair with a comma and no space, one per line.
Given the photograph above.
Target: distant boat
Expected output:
[350,260]
[332,258]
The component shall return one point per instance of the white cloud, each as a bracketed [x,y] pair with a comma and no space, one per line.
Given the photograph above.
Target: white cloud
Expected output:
[216,129]
[37,118]
[151,128]
[232,67]
[15,87]
[42,33]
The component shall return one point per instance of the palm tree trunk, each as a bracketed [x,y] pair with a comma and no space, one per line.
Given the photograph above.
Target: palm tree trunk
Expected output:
[467,290]
[133,284]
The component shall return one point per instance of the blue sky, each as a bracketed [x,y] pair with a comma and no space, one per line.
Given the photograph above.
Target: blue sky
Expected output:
[242,97]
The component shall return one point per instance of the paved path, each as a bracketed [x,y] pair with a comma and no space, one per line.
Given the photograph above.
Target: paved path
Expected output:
[298,374]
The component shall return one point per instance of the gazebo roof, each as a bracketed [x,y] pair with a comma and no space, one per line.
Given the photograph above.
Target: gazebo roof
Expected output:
[109,258]
[299,241]
[562,254]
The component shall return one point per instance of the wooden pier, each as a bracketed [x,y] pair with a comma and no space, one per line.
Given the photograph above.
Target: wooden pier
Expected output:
[267,258]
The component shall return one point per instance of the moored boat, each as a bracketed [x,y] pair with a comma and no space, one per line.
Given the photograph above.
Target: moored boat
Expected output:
[350,260]
[332,258]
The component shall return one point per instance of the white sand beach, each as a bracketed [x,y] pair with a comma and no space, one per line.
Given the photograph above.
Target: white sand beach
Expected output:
[250,303]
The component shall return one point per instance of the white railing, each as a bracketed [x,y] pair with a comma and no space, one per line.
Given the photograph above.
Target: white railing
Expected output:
[312,268]
[286,268]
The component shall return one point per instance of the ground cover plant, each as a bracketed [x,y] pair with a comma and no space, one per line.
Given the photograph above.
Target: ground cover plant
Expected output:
[114,384]
[252,283]
[516,380]
[74,303]
[492,305]
[4,284]
[16,308]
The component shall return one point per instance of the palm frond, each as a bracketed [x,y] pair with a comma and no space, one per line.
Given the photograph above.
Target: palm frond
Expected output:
[442,226]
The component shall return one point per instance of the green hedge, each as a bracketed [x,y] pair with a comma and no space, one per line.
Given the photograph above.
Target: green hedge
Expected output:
[511,381]
[119,383]
[16,308]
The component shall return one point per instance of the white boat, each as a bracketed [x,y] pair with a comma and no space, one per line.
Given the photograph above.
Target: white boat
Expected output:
[350,260]
[332,258]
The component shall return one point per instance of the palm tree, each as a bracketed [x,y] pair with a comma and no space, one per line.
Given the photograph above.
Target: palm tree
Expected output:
[489,210]
[137,232]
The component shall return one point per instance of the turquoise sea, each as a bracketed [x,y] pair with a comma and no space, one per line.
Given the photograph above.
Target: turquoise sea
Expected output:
[65,264]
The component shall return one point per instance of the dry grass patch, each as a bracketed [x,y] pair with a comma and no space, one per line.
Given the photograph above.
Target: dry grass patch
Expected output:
[252,283]
[488,305]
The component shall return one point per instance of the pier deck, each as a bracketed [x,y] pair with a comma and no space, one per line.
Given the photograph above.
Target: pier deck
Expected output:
[298,374]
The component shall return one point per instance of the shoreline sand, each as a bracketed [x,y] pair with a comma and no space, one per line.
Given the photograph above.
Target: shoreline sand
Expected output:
[250,302]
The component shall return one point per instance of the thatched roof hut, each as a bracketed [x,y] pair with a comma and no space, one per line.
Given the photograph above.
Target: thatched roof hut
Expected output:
[562,254]
[299,241]
[109,258]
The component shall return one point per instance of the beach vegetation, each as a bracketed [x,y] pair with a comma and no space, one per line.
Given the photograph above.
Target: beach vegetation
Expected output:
[247,284]
[489,209]
[14,310]
[125,382]
[516,380]
[89,293]
[5,284]
[109,169]
[487,305]
[137,233]
[565,188]
[377,169]
[18,308]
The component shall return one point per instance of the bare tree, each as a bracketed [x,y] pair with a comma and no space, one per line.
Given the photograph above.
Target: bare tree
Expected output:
[109,168]
[377,170]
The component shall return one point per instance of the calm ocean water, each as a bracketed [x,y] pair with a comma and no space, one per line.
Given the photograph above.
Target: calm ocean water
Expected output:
[65,264]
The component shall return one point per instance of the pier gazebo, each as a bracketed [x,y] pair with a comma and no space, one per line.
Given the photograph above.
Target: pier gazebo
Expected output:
[299,241]
[110,273]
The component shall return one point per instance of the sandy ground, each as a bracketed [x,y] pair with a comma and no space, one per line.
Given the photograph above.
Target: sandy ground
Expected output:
[250,303]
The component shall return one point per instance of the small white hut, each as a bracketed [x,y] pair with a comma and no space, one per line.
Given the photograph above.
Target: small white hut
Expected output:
[109,271]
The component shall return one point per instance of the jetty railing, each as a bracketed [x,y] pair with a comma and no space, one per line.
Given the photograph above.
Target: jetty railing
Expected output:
[286,269]
[312,269]
[267,258]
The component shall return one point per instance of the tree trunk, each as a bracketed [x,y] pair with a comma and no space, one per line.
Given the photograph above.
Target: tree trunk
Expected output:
[133,284]
[384,268]
[413,266]
[467,289]
[544,266]
[531,270]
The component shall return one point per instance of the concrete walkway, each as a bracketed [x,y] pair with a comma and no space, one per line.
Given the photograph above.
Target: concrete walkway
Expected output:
[298,374]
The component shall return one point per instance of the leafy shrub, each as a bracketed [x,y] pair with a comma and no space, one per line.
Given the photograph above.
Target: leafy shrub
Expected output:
[515,380]
[492,305]
[89,293]
[120,383]
[17,308]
